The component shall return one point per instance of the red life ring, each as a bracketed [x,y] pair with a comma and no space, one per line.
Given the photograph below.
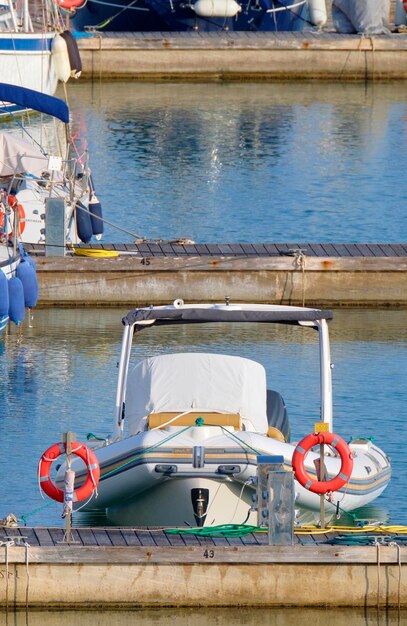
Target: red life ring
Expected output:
[70,4]
[84,453]
[13,203]
[321,486]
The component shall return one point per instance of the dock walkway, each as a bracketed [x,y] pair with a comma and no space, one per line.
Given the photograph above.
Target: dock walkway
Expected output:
[232,55]
[317,274]
[147,567]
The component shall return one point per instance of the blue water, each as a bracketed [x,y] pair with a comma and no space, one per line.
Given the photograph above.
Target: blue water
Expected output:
[249,162]
[224,162]
[60,374]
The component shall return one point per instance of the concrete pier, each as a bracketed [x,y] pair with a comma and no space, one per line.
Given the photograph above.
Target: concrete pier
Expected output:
[324,275]
[243,56]
[137,568]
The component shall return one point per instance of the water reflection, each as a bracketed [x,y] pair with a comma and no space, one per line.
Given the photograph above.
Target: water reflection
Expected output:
[61,374]
[247,162]
[210,617]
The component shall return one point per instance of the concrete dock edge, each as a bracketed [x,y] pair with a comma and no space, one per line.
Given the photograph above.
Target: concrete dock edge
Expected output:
[241,576]
[243,56]
[135,280]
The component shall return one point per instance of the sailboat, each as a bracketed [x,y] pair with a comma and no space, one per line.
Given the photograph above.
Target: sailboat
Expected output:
[35,50]
[18,278]
[45,173]
[199,15]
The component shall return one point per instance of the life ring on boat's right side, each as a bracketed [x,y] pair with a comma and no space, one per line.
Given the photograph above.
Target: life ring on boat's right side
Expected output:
[322,486]
[83,452]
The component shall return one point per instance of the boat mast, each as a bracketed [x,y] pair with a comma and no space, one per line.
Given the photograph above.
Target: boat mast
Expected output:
[26,18]
[13,15]
[326,374]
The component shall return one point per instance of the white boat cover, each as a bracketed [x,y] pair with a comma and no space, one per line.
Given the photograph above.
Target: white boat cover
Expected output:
[18,156]
[199,382]
[370,17]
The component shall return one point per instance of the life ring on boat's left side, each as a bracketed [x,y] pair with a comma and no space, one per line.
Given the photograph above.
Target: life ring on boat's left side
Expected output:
[83,452]
[322,486]
[14,204]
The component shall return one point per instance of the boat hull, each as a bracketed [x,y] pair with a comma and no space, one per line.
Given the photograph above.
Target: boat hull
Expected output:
[145,481]
[26,61]
[176,15]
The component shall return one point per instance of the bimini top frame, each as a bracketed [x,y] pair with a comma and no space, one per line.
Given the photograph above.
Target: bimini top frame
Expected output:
[201,313]
[180,313]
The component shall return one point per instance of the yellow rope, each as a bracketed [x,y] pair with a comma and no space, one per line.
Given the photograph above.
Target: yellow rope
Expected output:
[380,528]
[96,253]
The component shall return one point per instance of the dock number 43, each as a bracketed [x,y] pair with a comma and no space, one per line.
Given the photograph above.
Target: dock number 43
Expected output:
[209,554]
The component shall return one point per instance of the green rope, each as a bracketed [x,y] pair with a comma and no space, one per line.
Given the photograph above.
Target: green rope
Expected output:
[141,454]
[223,530]
[365,540]
[199,422]
[24,517]
[242,443]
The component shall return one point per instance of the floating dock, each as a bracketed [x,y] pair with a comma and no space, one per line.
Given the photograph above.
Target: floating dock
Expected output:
[148,567]
[310,274]
[230,55]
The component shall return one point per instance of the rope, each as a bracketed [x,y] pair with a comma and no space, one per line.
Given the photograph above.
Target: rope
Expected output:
[378,573]
[239,530]
[27,573]
[223,530]
[393,543]
[7,544]
[44,506]
[242,443]
[141,454]
[112,17]
[286,7]
[299,263]
[172,420]
[96,253]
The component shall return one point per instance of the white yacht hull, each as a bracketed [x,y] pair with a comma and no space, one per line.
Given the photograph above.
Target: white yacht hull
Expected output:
[26,61]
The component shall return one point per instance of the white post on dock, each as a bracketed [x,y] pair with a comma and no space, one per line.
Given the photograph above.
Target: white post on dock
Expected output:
[68,438]
[321,427]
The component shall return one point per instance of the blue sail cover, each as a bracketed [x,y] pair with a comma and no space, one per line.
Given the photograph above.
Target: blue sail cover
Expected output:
[36,100]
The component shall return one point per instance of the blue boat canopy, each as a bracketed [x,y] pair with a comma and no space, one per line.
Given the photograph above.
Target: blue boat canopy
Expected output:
[36,100]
